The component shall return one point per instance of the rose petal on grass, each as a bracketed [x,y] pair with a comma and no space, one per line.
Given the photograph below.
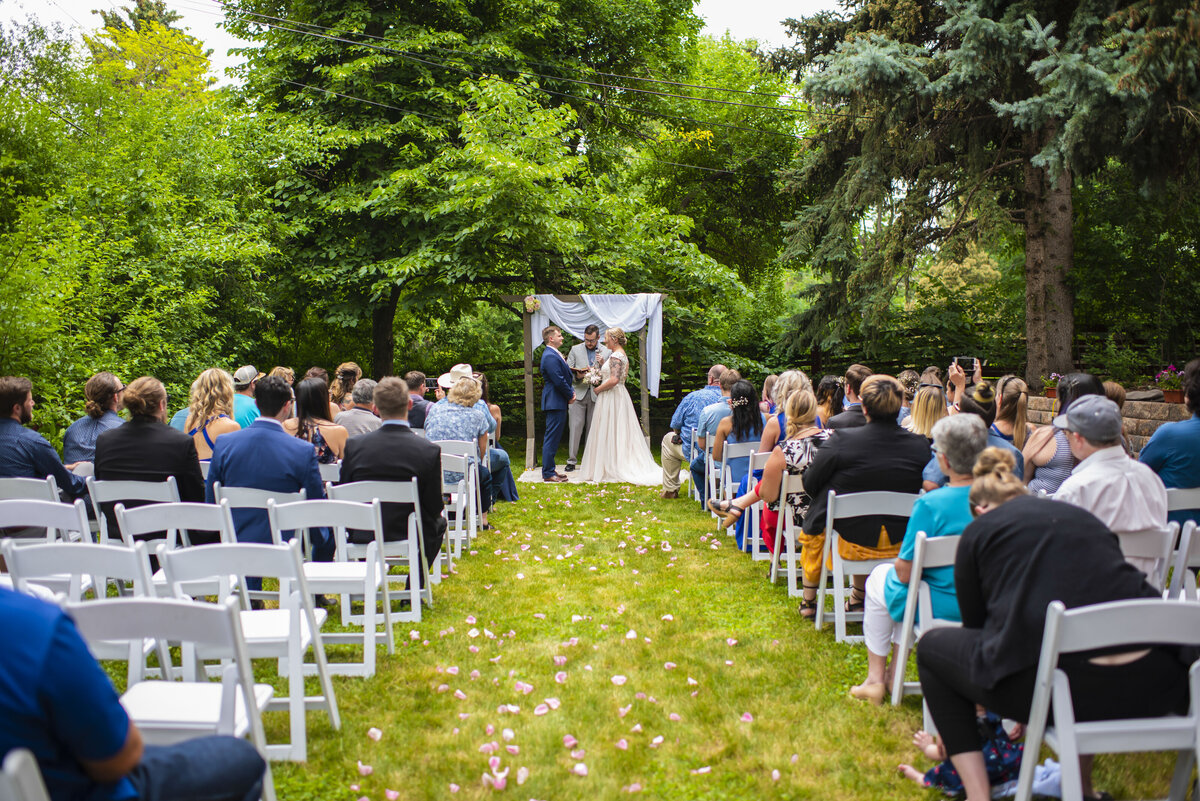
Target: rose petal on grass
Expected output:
[513,749]
[668,665]
[414,635]
[364,770]
[460,695]
[623,711]
[631,635]
[775,774]
[731,642]
[619,680]
[443,688]
[494,764]
[795,758]
[487,748]
[623,744]
[354,788]
[452,670]
[553,703]
[522,775]
[674,716]
[747,717]
[668,617]
[728,663]
[578,753]
[569,741]
[375,734]
[508,734]
[560,677]
[632,788]
[692,682]
[636,727]
[453,787]
[576,618]
[464,715]
[391,795]
[473,633]
[512,709]
[560,660]
[539,615]
[473,649]
[703,770]
[657,741]
[489,730]
[580,769]
[470,620]
[474,675]
[540,710]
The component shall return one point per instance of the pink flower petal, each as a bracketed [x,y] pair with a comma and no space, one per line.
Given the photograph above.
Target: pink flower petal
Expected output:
[508,734]
[488,780]
[668,665]
[513,709]
[631,635]
[633,788]
[487,748]
[453,787]
[553,703]
[522,775]
[375,734]
[489,730]
[560,677]
[569,741]
[513,749]
[364,770]
[619,680]
[464,715]
[473,633]
[474,675]
[494,763]
[668,617]
[747,717]
[539,615]
[560,660]
[471,620]
[795,758]
[728,663]
[452,670]
[354,788]
[731,642]
[623,711]
[540,709]
[623,744]
[775,774]
[578,753]
[674,716]
[703,770]
[414,635]
[692,682]
[460,695]
[657,741]
[636,727]
[391,795]
[576,618]
[580,769]
[441,688]
[473,649]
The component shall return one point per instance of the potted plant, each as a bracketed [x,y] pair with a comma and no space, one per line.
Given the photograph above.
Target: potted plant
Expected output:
[1050,385]
[1170,381]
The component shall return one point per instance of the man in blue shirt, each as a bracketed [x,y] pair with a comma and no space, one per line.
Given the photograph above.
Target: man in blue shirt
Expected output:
[1174,450]
[677,444]
[706,428]
[245,410]
[56,701]
[24,453]
[103,393]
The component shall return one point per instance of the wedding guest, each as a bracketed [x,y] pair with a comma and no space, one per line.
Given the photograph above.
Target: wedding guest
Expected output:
[775,427]
[286,373]
[1174,450]
[1021,553]
[24,453]
[744,423]
[313,424]
[929,406]
[830,397]
[321,373]
[1012,411]
[460,419]
[210,410]
[1048,459]
[348,374]
[1115,393]
[504,487]
[852,415]
[360,418]
[415,380]
[103,394]
[766,405]
[677,443]
[957,442]
[706,428]
[910,381]
[245,410]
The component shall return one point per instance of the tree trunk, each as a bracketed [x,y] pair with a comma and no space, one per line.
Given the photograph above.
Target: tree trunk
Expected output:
[1049,255]
[383,336]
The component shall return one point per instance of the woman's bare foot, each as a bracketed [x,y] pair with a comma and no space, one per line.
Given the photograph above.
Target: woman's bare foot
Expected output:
[928,745]
[872,692]
[909,772]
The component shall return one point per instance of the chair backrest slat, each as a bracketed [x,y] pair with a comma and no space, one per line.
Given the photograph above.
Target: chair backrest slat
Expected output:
[251,498]
[21,779]
[62,517]
[29,489]
[55,559]
[1180,499]
[1141,621]
[174,517]
[367,491]
[321,513]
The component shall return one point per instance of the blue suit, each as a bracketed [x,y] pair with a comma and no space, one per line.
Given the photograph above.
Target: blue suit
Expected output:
[557,392]
[266,457]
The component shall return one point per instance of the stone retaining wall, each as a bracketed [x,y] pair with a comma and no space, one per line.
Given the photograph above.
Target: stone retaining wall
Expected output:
[1141,418]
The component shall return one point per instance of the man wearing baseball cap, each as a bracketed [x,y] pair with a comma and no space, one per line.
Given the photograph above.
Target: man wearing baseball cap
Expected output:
[245,410]
[1124,494]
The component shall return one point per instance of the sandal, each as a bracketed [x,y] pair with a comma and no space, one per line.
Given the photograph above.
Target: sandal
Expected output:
[726,510]
[808,606]
[858,605]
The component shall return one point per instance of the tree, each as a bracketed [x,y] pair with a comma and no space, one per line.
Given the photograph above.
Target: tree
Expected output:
[937,129]
[142,12]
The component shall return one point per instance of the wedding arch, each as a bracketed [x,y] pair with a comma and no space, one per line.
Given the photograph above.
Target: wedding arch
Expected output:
[640,312]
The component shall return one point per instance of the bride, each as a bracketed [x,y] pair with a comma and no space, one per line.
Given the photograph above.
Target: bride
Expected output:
[616,449]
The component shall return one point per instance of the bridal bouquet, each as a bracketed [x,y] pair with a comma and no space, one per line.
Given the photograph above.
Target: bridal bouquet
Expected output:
[592,376]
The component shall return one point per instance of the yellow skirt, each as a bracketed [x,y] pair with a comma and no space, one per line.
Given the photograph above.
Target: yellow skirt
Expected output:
[813,546]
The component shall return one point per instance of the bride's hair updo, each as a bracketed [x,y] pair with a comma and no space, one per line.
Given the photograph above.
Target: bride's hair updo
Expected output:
[618,334]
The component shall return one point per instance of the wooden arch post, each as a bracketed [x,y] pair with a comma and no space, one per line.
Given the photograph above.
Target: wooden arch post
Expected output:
[529,345]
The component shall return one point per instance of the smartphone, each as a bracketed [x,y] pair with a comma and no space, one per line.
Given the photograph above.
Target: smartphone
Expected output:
[967,363]
[431,383]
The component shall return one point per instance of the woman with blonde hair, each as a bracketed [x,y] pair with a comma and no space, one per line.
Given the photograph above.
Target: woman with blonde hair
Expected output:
[210,410]
[928,406]
[286,373]
[775,428]
[348,374]
[1012,404]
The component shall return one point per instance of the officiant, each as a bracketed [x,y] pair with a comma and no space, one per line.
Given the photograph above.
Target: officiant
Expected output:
[580,359]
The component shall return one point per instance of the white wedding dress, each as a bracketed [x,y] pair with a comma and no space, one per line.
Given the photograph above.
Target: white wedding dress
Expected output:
[616,449]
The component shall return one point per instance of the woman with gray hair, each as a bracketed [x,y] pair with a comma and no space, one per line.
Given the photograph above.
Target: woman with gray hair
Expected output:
[460,419]
[945,512]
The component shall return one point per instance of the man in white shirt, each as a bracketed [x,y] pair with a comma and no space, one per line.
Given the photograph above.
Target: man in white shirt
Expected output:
[1124,494]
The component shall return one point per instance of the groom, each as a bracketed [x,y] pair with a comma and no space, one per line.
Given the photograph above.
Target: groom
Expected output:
[557,396]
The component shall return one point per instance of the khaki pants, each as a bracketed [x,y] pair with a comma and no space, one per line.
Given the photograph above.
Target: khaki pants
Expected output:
[672,462]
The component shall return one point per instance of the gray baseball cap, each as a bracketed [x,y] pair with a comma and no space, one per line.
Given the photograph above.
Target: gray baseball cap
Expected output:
[1094,417]
[245,376]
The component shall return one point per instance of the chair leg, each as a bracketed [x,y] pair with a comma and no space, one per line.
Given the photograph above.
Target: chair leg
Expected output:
[1183,775]
[821,582]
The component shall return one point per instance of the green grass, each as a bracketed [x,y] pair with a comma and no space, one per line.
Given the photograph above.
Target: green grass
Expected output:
[601,553]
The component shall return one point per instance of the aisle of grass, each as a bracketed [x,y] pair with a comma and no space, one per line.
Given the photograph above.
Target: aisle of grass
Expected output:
[725,694]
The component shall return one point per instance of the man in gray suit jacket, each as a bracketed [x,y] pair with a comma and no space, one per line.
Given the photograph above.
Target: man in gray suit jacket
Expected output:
[580,358]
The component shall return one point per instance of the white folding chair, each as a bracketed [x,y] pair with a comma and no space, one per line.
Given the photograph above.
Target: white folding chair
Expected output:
[251,498]
[842,507]
[1150,551]
[786,552]
[29,489]
[410,551]
[1133,623]
[752,539]
[456,508]
[1183,500]
[686,472]
[331,472]
[727,488]
[366,579]
[176,519]
[168,712]
[65,521]
[469,450]
[712,473]
[1187,558]
[205,464]
[929,552]
[21,779]
[102,492]
[284,634]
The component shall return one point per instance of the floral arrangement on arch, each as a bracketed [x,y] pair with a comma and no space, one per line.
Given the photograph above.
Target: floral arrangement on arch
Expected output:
[532,304]
[1170,378]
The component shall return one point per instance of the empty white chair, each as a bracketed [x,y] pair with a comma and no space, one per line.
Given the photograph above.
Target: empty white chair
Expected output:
[1150,551]
[410,551]
[712,473]
[168,712]
[176,519]
[106,492]
[1132,623]
[929,552]
[284,634]
[65,521]
[366,579]
[29,489]
[1187,557]
[21,779]
[752,539]
[251,498]
[842,507]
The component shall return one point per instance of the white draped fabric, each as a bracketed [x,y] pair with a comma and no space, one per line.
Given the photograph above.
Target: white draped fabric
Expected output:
[628,312]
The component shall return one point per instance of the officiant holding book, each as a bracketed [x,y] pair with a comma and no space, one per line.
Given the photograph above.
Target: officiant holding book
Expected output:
[582,357]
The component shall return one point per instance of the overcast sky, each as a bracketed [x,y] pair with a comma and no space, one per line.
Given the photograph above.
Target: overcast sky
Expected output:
[744,19]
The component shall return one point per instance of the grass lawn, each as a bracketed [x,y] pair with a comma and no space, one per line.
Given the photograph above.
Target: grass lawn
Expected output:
[660,650]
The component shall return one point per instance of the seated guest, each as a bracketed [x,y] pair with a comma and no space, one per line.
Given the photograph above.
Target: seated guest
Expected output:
[980,401]
[766,405]
[178,420]
[361,417]
[103,394]
[877,456]
[266,457]
[322,374]
[1048,459]
[743,424]
[24,453]
[313,424]
[416,390]
[1123,494]
[1174,450]
[911,382]
[775,427]
[394,453]
[504,487]
[706,428]
[210,410]
[447,380]
[677,443]
[56,701]
[244,409]
[341,391]
[1115,393]
[830,397]
[459,418]
[929,406]
[146,449]
[1012,412]
[286,373]
[1019,555]
[852,414]
[957,443]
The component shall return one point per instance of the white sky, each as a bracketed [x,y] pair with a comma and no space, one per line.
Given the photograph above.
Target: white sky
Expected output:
[744,19]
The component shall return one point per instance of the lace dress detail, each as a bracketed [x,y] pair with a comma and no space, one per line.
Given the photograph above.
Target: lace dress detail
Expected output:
[798,455]
[616,449]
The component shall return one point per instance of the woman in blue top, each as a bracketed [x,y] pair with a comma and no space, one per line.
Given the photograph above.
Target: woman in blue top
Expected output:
[745,424]
[945,512]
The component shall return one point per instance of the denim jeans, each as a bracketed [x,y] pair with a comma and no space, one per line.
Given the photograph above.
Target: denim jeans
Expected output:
[204,769]
[697,468]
